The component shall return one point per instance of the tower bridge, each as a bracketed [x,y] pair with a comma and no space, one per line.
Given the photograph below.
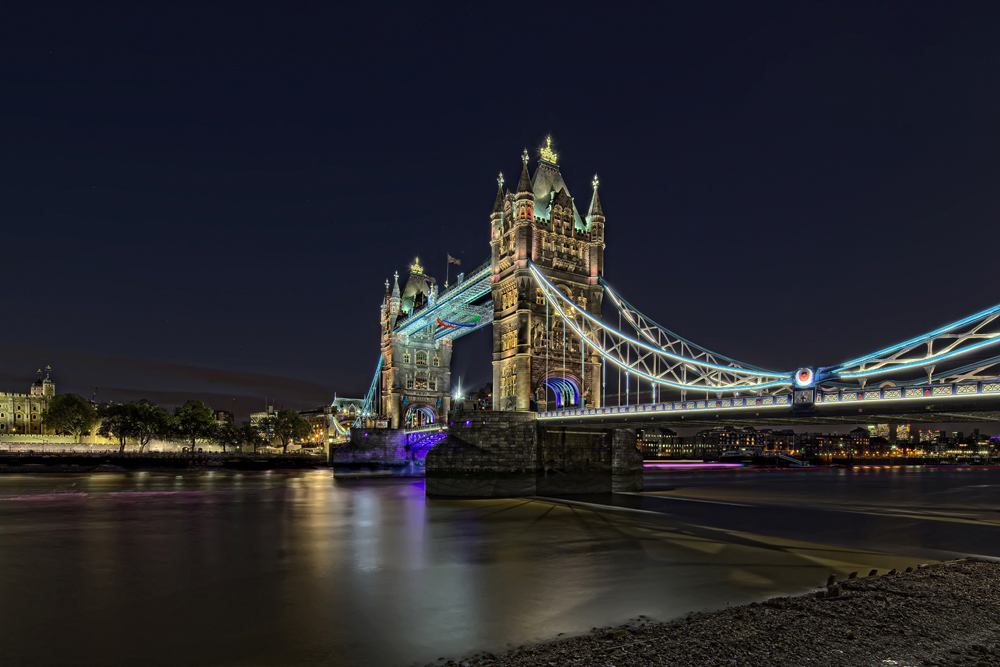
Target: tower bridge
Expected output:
[543,289]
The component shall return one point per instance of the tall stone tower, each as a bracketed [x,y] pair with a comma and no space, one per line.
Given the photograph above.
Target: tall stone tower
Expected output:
[538,362]
[416,369]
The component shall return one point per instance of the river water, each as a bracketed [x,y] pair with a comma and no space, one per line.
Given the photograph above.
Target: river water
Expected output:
[300,568]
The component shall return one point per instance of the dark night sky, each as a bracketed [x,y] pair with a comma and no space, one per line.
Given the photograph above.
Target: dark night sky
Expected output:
[204,200]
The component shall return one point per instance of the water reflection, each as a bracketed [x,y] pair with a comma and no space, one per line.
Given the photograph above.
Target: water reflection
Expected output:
[299,568]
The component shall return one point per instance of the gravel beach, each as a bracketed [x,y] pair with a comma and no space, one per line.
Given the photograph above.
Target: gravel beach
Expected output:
[941,614]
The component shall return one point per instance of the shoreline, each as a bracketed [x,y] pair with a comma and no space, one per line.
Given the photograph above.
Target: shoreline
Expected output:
[939,614]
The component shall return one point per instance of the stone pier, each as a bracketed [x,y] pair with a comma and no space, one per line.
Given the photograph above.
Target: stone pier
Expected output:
[509,454]
[381,447]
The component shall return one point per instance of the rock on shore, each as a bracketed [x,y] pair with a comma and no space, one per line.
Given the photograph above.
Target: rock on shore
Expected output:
[942,614]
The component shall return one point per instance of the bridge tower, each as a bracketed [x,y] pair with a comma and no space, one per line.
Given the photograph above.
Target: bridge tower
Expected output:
[416,369]
[538,362]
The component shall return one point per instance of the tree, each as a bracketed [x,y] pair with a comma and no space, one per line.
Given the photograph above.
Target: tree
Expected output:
[193,420]
[250,438]
[116,423]
[148,421]
[226,435]
[69,413]
[289,425]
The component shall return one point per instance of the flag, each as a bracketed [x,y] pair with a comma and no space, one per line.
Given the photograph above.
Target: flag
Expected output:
[452,260]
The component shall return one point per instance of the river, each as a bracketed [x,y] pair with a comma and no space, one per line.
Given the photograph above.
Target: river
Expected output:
[300,568]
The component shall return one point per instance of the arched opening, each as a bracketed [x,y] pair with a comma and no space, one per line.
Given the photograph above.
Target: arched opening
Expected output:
[418,415]
[558,391]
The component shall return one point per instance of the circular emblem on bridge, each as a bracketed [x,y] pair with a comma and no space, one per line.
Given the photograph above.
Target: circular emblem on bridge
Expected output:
[804,377]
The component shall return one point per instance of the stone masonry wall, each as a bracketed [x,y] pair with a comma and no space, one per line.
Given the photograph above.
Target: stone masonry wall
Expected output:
[373,445]
[502,454]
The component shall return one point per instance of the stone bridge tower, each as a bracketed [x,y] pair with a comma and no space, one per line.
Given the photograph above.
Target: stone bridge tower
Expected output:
[538,363]
[416,370]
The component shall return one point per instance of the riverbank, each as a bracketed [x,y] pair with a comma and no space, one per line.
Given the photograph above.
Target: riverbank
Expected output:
[941,614]
[21,463]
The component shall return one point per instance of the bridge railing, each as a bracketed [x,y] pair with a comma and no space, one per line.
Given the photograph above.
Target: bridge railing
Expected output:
[924,393]
[746,403]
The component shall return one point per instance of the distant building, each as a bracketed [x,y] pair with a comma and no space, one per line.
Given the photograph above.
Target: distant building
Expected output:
[224,416]
[860,439]
[22,413]
[658,443]
[778,441]
[321,420]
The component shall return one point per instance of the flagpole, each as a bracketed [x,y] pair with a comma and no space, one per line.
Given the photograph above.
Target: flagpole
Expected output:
[447,269]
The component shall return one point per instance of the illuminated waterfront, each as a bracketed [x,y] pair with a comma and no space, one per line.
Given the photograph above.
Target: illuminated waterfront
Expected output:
[299,568]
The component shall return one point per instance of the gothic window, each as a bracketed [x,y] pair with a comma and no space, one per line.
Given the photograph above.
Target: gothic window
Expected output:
[406,357]
[421,357]
[34,417]
[409,383]
[437,361]
[508,340]
[433,385]
[539,297]
[508,380]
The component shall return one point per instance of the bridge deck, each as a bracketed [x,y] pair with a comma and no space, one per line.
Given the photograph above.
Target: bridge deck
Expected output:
[957,402]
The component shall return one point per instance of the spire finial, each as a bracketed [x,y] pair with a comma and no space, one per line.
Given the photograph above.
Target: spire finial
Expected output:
[500,180]
[524,156]
[416,267]
[595,202]
[547,154]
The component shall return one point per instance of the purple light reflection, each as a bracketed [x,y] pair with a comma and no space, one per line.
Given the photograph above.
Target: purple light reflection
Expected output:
[682,466]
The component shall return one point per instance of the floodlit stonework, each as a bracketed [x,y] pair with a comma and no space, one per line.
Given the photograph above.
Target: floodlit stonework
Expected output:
[537,360]
[416,369]
[22,413]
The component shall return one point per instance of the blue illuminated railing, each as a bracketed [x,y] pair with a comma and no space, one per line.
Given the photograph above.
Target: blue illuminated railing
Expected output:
[926,393]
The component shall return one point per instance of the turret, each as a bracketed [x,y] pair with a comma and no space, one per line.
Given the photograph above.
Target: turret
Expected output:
[595,218]
[394,301]
[496,218]
[524,198]
[595,215]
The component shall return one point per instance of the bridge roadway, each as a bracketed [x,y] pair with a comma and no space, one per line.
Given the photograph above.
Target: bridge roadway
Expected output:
[955,402]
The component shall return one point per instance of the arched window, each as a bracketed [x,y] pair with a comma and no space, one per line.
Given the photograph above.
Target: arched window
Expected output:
[421,357]
[406,357]
[437,361]
[539,297]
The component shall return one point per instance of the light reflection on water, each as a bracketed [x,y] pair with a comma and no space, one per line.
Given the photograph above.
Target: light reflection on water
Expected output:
[287,568]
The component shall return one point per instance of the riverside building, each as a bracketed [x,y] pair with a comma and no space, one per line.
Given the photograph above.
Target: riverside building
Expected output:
[22,413]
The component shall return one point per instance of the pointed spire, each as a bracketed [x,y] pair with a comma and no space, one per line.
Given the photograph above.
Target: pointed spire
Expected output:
[524,185]
[386,289]
[595,203]
[498,204]
[395,286]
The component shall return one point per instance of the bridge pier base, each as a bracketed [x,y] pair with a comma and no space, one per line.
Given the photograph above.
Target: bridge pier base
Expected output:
[381,447]
[509,454]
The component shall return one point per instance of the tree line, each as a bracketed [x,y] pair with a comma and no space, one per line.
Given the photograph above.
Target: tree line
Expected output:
[142,421]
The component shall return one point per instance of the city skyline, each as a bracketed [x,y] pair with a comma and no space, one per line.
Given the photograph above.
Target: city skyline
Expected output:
[788,186]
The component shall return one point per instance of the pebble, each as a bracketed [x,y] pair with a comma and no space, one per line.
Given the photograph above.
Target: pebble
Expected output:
[937,614]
